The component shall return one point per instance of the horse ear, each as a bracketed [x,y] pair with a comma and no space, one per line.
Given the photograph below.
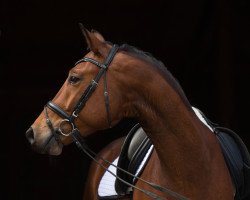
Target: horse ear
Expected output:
[95,40]
[98,35]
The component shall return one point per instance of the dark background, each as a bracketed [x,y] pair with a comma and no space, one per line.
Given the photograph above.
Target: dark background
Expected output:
[204,43]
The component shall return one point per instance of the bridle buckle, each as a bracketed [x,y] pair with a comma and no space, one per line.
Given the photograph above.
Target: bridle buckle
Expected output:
[74,115]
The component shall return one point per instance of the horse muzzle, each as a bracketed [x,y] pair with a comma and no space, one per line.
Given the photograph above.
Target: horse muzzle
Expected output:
[49,146]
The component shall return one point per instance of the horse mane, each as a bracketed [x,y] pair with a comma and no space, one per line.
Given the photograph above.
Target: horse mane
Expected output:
[160,67]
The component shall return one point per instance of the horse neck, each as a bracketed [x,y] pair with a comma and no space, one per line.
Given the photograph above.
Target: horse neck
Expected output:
[179,138]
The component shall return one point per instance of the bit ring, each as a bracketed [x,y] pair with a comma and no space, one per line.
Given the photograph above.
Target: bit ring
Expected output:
[63,122]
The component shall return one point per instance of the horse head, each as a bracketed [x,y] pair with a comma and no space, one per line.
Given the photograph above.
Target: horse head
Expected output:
[89,99]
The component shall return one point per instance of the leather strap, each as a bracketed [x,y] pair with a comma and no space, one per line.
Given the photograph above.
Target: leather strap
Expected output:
[106,98]
[84,98]
[55,108]
[86,59]
[51,127]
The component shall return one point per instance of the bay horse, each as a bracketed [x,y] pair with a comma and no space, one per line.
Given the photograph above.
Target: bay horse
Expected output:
[129,83]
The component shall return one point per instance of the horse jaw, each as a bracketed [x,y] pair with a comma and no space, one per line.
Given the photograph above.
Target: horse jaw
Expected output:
[49,147]
[54,149]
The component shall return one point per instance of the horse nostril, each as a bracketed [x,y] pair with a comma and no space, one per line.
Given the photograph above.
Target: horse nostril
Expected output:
[30,135]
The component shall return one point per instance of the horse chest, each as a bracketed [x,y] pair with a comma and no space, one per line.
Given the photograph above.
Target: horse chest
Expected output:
[153,173]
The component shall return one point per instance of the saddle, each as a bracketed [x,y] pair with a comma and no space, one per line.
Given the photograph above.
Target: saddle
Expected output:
[134,150]
[235,153]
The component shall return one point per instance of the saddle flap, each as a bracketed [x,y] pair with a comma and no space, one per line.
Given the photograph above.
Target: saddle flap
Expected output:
[232,156]
[238,160]
[134,150]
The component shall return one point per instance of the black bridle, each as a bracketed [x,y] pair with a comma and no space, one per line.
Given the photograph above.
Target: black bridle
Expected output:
[75,133]
[70,119]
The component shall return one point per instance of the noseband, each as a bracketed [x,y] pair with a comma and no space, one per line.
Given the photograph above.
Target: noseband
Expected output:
[70,119]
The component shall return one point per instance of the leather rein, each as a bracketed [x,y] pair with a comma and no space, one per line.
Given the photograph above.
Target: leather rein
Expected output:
[75,133]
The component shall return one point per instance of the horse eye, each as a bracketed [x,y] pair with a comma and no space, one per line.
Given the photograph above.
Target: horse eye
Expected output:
[73,80]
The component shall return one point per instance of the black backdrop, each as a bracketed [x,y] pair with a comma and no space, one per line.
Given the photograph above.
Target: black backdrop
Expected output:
[204,43]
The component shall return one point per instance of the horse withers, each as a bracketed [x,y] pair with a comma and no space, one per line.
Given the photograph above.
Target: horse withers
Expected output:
[115,82]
